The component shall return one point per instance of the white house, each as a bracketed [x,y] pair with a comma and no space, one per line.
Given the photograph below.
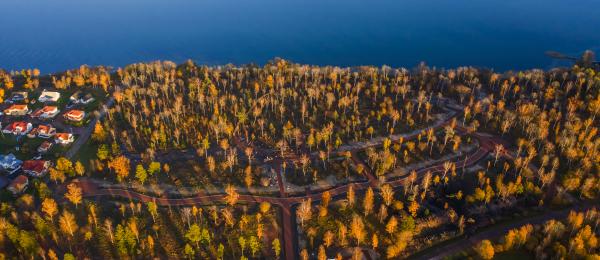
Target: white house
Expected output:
[82,98]
[49,96]
[18,96]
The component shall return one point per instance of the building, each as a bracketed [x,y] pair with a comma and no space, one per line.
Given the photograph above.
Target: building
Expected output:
[9,163]
[18,185]
[17,128]
[49,96]
[17,110]
[82,98]
[36,168]
[43,131]
[64,138]
[46,131]
[46,112]
[45,147]
[18,96]
[74,115]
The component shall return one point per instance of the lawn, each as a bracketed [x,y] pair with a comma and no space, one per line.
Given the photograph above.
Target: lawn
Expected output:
[25,148]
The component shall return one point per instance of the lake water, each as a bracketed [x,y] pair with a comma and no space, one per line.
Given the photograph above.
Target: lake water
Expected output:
[54,35]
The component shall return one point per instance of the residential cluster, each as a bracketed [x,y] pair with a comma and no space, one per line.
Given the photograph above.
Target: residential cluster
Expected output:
[48,118]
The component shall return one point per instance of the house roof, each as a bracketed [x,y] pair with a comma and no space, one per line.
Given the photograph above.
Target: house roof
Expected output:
[9,161]
[17,124]
[46,145]
[46,109]
[44,128]
[20,181]
[18,107]
[20,95]
[50,94]
[49,108]
[81,95]
[63,136]
[75,113]
[9,156]
[35,165]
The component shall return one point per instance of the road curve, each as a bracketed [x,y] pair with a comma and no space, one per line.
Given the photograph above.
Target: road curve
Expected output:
[92,189]
[497,231]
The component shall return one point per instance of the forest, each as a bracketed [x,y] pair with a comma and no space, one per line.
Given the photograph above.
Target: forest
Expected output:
[246,162]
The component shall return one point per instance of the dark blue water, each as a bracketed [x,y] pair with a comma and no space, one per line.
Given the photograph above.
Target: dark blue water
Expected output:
[54,35]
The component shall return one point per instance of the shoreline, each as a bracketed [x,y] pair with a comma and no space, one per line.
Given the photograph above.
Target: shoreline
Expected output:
[113,68]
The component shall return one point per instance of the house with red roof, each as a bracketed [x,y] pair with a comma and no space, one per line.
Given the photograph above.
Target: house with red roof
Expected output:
[18,185]
[42,131]
[45,147]
[75,115]
[36,168]
[17,110]
[46,112]
[64,138]
[17,128]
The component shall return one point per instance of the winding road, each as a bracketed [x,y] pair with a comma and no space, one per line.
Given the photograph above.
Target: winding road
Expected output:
[91,188]
[466,243]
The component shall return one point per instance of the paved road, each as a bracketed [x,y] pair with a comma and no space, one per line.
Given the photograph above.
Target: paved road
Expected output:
[373,181]
[92,189]
[85,134]
[377,141]
[497,231]
[486,145]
